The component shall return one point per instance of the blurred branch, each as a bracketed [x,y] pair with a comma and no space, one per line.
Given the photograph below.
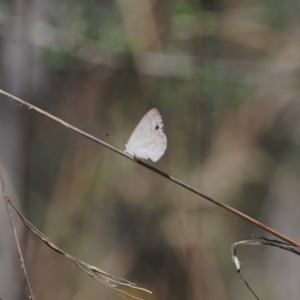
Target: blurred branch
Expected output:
[153,63]
[8,207]
[109,281]
[153,169]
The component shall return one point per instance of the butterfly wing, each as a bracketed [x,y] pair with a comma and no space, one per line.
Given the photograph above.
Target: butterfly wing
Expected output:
[152,120]
[152,145]
[148,140]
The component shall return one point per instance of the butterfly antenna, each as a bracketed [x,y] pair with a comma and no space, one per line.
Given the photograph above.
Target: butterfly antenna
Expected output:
[110,136]
[124,141]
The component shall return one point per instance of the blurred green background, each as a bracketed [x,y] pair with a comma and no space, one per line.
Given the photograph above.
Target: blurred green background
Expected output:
[225,76]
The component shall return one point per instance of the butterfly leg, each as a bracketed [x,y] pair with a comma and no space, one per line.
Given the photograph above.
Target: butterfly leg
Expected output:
[135,157]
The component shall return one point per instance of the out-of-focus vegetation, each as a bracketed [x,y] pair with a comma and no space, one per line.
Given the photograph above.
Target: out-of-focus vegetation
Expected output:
[224,76]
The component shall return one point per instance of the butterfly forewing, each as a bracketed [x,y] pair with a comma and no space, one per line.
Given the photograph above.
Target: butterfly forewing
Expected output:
[152,120]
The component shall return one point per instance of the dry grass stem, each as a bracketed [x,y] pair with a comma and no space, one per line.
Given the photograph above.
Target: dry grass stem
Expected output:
[8,207]
[111,282]
[258,241]
[161,173]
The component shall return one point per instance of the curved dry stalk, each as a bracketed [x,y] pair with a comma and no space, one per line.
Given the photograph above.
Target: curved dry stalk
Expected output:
[258,241]
[153,169]
[109,281]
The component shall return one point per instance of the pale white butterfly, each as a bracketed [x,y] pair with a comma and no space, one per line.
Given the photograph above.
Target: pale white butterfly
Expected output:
[148,140]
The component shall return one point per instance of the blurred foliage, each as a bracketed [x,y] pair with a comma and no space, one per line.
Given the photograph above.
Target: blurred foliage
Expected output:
[224,76]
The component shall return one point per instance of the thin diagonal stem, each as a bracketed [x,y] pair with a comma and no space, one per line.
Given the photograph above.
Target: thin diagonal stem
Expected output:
[8,207]
[109,281]
[161,173]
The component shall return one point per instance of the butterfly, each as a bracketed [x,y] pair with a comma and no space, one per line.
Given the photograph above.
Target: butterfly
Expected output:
[148,140]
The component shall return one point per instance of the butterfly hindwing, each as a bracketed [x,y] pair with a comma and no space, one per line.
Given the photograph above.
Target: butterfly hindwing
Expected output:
[150,146]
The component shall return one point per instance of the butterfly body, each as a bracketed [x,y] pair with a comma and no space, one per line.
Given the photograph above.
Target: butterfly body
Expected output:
[148,140]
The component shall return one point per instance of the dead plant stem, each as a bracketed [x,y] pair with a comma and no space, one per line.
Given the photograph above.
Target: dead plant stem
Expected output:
[8,207]
[153,169]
